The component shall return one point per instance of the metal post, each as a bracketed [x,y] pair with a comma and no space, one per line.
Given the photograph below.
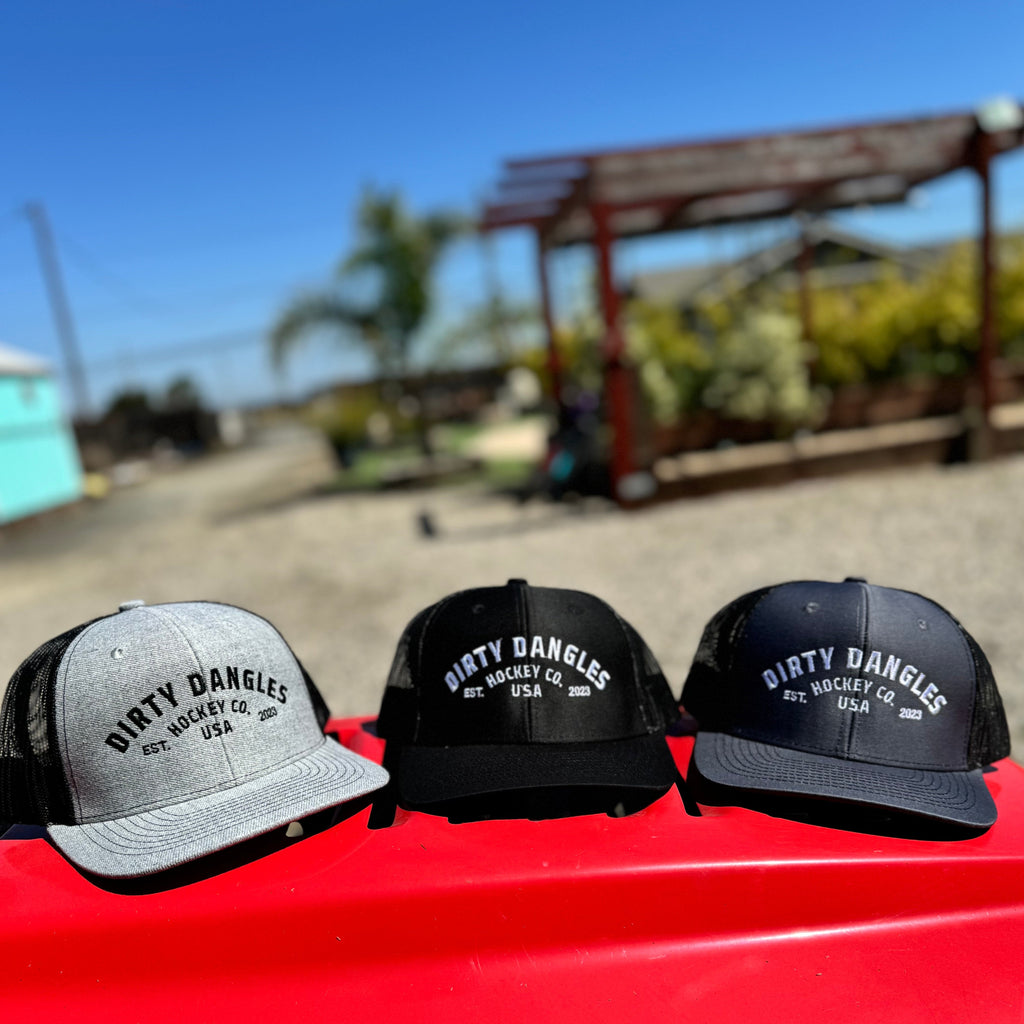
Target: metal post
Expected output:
[804,263]
[554,359]
[47,252]
[617,391]
[988,342]
[805,260]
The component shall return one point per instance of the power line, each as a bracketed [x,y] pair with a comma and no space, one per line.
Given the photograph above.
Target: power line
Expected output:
[196,346]
[87,262]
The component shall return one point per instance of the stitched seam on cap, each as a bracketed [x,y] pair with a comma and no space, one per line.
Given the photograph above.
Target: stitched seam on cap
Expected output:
[65,753]
[284,643]
[223,739]
[865,613]
[213,788]
[891,761]
[184,636]
[524,610]
[738,631]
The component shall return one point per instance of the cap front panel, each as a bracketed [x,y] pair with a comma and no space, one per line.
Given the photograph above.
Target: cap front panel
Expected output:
[846,670]
[167,703]
[523,664]
[922,673]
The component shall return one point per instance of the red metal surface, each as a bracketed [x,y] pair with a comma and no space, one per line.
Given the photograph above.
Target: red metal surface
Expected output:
[732,916]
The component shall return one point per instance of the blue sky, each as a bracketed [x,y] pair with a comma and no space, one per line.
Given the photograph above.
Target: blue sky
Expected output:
[200,160]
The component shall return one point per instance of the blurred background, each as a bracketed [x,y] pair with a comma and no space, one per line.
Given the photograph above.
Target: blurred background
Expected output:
[328,310]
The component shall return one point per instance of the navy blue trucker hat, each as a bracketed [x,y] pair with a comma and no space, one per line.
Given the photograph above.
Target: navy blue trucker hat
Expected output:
[513,688]
[847,691]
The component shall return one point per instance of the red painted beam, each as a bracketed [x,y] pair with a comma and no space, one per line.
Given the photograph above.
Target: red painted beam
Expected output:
[553,358]
[987,341]
[616,380]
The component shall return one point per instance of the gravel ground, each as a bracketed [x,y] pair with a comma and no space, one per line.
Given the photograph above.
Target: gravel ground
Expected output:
[340,576]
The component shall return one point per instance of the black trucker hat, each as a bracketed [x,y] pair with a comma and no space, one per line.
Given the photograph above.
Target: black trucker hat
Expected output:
[504,689]
[148,738]
[848,691]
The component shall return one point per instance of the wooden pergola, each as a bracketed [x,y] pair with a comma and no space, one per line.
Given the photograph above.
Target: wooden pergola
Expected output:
[595,198]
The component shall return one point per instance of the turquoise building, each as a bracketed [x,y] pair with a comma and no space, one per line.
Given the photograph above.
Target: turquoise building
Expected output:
[39,465]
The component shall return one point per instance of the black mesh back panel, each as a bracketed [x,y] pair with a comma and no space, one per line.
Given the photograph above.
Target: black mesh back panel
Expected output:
[990,735]
[398,710]
[320,708]
[654,689]
[713,659]
[33,790]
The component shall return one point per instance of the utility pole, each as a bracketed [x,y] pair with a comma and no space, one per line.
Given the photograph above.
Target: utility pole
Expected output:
[47,251]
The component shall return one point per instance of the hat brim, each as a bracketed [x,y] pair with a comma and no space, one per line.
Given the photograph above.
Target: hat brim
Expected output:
[431,775]
[958,797]
[153,840]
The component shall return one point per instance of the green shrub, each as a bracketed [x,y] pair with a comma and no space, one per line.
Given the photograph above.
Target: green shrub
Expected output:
[360,417]
[672,362]
[759,372]
[743,355]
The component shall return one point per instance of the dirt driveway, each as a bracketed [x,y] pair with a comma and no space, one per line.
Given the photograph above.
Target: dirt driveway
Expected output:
[340,576]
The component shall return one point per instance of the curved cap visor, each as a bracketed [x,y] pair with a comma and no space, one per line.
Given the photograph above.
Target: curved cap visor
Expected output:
[165,837]
[960,797]
[430,775]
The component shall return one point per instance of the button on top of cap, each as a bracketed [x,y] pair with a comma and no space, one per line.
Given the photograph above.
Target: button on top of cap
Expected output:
[856,579]
[127,606]
[521,582]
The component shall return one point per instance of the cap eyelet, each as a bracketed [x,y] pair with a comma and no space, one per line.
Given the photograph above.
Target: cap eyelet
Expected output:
[811,607]
[117,654]
[921,624]
[477,609]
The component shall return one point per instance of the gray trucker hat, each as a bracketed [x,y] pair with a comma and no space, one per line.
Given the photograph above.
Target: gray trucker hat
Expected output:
[157,735]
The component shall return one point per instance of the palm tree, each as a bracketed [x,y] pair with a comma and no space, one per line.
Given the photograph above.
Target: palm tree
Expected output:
[392,264]
[493,329]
